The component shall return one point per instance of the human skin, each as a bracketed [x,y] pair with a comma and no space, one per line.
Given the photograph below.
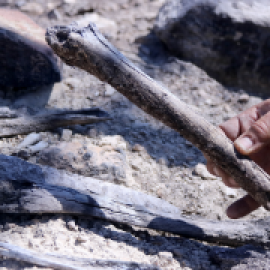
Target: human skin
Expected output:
[250,132]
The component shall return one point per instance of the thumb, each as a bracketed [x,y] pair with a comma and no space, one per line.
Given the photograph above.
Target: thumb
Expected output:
[256,137]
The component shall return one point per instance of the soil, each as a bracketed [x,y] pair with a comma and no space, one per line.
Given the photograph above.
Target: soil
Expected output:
[159,161]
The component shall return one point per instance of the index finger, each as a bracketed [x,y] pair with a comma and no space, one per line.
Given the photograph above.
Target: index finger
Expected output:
[237,125]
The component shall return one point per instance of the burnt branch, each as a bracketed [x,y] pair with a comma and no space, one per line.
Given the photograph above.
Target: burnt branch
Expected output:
[40,189]
[86,48]
[49,120]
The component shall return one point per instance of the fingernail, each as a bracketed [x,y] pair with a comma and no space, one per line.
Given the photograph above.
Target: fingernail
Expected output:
[216,171]
[244,143]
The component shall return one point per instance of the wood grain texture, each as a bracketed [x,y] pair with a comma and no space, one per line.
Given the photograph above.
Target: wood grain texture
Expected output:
[86,48]
[47,121]
[61,262]
[40,189]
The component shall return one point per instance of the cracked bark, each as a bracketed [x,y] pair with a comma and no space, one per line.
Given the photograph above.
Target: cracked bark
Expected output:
[40,189]
[86,48]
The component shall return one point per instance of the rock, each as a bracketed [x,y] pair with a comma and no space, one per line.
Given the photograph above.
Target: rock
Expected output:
[243,98]
[73,83]
[137,148]
[114,141]
[75,7]
[72,226]
[82,239]
[38,147]
[23,154]
[230,40]
[106,26]
[109,91]
[102,162]
[54,14]
[66,134]
[165,255]
[29,140]
[26,59]
[32,7]
[229,192]
[201,170]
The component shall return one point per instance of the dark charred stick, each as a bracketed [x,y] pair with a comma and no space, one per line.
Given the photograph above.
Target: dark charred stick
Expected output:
[50,120]
[87,49]
[60,262]
[41,189]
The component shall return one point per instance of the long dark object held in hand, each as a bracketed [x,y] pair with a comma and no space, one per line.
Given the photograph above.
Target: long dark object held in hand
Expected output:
[86,48]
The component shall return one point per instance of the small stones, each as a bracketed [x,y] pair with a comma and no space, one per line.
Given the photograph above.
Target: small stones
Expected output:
[244,98]
[109,91]
[82,239]
[201,170]
[29,140]
[230,192]
[92,133]
[163,161]
[105,25]
[38,147]
[72,226]
[137,148]
[103,162]
[23,154]
[9,226]
[73,83]
[66,135]
[165,255]
[114,141]
[87,155]
[32,7]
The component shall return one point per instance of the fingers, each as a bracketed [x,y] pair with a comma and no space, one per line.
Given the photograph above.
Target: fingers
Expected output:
[256,137]
[242,207]
[239,124]
[250,132]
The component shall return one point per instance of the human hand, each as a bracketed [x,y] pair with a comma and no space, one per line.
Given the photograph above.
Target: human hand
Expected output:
[250,133]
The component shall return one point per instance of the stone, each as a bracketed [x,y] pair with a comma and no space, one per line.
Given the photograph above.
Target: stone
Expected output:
[109,91]
[29,140]
[101,162]
[82,239]
[229,39]
[66,134]
[114,141]
[54,14]
[81,7]
[33,8]
[73,83]
[26,59]
[165,255]
[72,225]
[105,25]
[201,170]
[229,192]
[243,98]
[38,147]
[138,148]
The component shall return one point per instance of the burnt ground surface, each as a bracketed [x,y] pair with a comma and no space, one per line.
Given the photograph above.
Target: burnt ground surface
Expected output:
[158,161]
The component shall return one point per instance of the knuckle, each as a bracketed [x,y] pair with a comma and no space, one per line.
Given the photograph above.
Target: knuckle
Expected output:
[261,129]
